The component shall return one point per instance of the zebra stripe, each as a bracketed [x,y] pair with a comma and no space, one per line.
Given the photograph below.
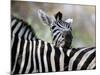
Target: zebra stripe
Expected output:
[38,51]
[92,64]
[52,59]
[29,54]
[29,60]
[16,56]
[23,57]
[84,58]
[81,58]
[61,60]
[45,60]
[34,59]
[73,59]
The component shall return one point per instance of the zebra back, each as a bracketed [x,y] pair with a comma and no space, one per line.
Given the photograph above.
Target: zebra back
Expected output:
[21,29]
[83,58]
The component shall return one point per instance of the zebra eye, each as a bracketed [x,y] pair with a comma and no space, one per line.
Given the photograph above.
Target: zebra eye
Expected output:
[68,26]
[63,36]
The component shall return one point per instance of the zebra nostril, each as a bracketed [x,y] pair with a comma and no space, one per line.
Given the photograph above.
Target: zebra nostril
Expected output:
[69,34]
[63,36]
[66,33]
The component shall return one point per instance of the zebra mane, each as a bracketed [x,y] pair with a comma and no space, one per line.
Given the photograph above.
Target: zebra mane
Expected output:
[25,25]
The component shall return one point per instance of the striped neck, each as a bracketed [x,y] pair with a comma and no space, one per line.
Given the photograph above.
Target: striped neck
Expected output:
[21,29]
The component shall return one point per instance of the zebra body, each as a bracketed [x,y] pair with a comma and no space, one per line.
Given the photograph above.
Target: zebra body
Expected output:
[30,54]
[81,59]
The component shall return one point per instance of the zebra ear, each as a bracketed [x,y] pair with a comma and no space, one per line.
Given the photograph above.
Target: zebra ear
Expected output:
[44,17]
[69,20]
[58,16]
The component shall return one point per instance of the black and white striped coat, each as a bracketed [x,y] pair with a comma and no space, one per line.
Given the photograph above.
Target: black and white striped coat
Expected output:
[30,54]
[80,58]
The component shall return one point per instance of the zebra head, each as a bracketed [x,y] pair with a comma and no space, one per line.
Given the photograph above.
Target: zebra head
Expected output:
[61,30]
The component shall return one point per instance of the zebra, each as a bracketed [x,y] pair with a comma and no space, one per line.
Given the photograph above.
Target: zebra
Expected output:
[29,54]
[80,58]
[61,30]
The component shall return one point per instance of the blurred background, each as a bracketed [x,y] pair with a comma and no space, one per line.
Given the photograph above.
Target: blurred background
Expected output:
[83,26]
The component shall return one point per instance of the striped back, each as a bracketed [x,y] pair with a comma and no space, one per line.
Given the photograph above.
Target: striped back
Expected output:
[61,30]
[83,58]
[21,29]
